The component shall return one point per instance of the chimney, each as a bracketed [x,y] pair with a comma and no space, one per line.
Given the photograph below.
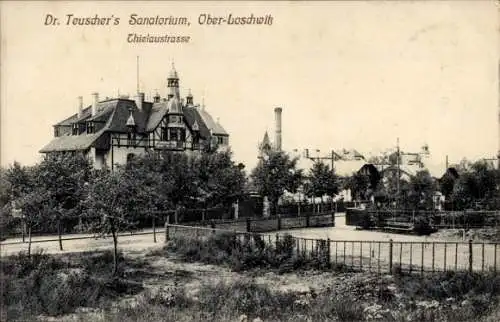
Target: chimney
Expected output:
[94,103]
[277,114]
[156,98]
[80,106]
[139,99]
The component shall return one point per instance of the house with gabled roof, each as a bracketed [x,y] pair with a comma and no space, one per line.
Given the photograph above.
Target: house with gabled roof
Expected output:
[115,130]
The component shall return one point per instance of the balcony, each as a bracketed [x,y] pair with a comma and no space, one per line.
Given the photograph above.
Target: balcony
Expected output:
[170,145]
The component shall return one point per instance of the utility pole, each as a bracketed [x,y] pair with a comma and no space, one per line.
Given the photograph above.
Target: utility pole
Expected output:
[138,89]
[333,161]
[398,174]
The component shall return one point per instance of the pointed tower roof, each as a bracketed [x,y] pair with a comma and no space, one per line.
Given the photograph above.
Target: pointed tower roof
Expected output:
[266,143]
[173,72]
[174,106]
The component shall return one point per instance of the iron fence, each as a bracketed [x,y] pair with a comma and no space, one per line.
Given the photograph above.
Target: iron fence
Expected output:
[374,256]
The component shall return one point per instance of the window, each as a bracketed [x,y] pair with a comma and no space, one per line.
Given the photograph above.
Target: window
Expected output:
[174,135]
[131,138]
[196,138]
[56,131]
[164,134]
[75,129]
[220,140]
[90,127]
[174,119]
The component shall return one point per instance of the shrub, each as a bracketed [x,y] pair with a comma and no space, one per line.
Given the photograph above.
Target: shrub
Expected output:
[48,285]
[247,298]
[243,252]
[422,226]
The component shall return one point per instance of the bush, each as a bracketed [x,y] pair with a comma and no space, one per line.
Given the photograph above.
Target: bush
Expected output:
[422,226]
[244,252]
[367,220]
[43,284]
[245,298]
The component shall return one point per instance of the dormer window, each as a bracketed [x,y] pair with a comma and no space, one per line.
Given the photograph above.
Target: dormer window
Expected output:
[90,127]
[74,130]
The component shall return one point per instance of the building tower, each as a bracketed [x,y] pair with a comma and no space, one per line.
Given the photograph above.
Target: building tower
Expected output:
[265,146]
[277,114]
[173,84]
[498,79]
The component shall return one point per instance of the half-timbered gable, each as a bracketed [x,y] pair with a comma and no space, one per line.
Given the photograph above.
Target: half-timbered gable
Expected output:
[114,130]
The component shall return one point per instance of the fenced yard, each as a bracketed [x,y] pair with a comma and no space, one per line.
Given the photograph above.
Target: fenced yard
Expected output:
[373,256]
[438,219]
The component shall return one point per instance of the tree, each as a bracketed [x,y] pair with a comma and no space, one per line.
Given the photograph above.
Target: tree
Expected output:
[63,176]
[219,178]
[111,197]
[322,181]
[447,184]
[177,171]
[276,174]
[359,184]
[421,191]
[34,207]
[29,196]
[477,185]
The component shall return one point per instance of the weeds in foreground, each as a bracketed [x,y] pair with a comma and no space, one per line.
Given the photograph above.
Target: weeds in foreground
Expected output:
[49,285]
[246,252]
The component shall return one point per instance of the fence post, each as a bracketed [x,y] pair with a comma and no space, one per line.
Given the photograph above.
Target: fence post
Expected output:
[248,224]
[154,230]
[212,225]
[23,228]
[482,257]
[307,219]
[277,240]
[333,218]
[361,255]
[279,222]
[470,255]
[167,235]
[422,259]
[445,250]
[433,255]
[495,259]
[328,255]
[390,256]
[411,256]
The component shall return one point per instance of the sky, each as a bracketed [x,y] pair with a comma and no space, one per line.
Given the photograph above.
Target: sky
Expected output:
[354,75]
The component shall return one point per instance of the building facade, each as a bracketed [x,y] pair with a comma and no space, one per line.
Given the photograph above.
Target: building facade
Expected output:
[114,130]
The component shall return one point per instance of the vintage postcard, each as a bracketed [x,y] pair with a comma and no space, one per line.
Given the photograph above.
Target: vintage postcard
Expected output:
[249,160]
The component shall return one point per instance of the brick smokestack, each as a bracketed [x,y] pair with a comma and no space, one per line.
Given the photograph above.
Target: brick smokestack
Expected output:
[277,115]
[94,103]
[498,152]
[80,106]
[139,100]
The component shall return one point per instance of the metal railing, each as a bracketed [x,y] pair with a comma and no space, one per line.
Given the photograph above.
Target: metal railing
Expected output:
[375,256]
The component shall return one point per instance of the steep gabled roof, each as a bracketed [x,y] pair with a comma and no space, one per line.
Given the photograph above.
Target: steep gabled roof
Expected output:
[71,143]
[211,124]
[158,111]
[192,115]
[121,114]
[116,113]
